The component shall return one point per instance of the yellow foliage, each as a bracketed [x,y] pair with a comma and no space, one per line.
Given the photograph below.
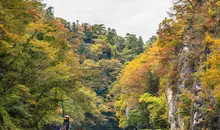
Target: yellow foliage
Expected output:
[132,81]
[216,92]
[45,47]
[211,77]
[37,27]
[96,48]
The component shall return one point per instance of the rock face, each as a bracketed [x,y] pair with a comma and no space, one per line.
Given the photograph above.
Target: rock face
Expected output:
[187,65]
[172,100]
[190,60]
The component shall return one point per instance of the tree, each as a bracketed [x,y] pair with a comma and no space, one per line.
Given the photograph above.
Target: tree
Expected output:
[150,42]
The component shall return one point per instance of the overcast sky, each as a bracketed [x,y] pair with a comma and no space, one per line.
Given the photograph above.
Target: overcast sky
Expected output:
[140,17]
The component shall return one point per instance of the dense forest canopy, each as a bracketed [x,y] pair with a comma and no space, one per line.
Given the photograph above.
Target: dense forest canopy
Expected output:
[50,67]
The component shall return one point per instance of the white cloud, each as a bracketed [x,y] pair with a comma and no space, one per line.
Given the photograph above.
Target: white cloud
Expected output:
[140,17]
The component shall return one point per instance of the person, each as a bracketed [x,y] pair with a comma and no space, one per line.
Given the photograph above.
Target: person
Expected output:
[66,122]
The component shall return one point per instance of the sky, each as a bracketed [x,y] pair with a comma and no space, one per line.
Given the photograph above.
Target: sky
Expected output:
[140,17]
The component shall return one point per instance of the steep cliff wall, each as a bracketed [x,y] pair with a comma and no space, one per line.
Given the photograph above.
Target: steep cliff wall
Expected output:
[202,112]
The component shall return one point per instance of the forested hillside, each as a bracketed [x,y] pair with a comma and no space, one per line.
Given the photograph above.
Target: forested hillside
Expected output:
[175,83]
[50,67]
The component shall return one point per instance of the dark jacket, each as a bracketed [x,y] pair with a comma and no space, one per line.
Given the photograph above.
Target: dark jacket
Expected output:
[66,124]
